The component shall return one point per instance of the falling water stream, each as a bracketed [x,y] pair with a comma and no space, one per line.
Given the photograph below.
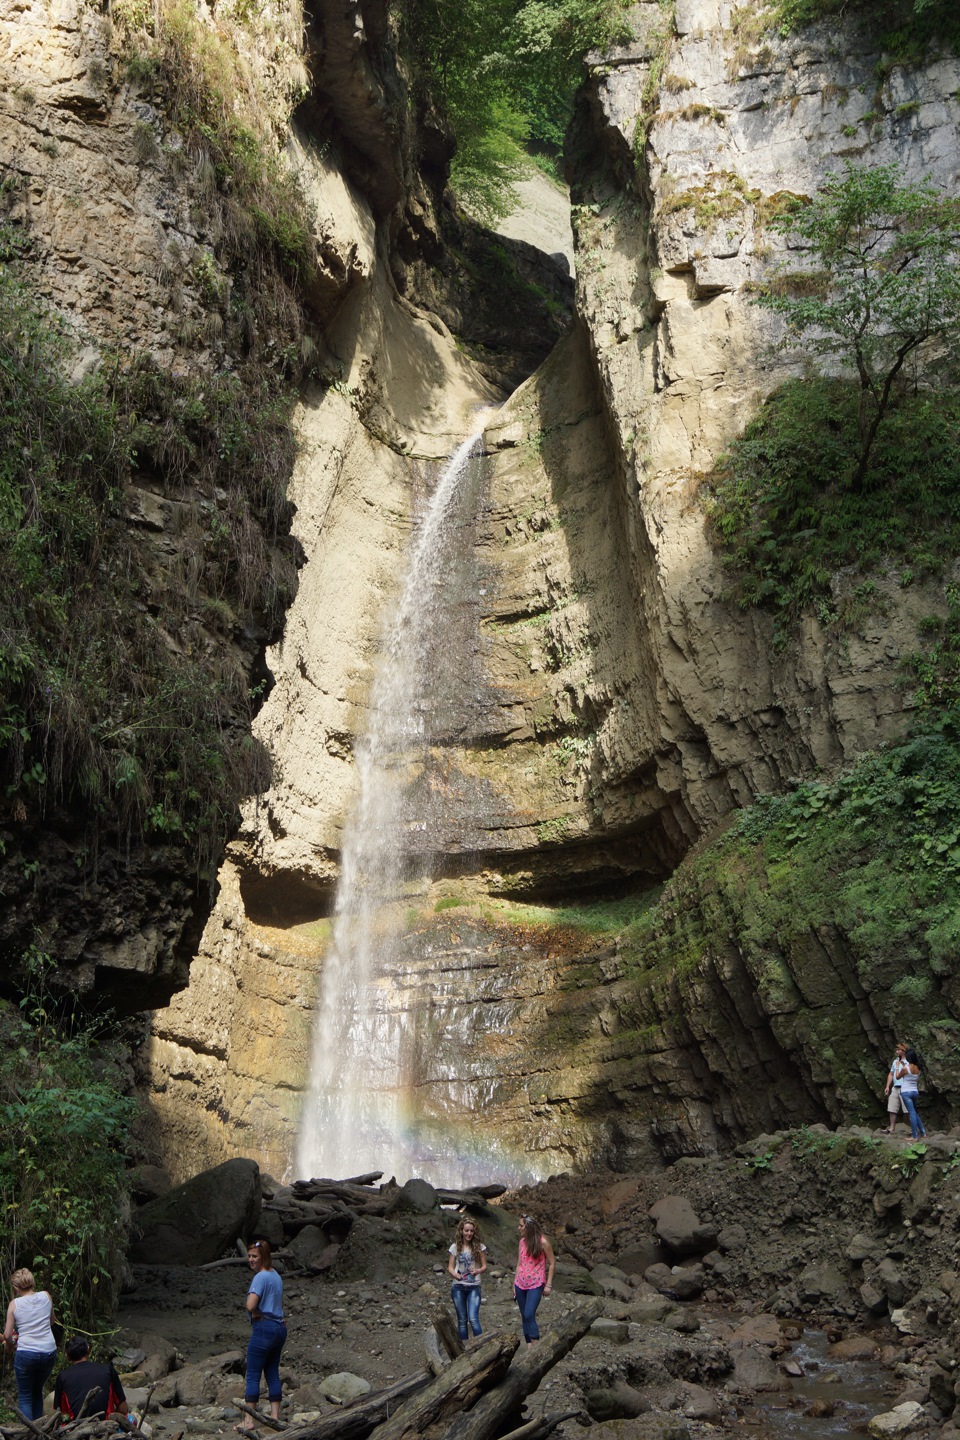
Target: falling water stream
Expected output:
[361,1113]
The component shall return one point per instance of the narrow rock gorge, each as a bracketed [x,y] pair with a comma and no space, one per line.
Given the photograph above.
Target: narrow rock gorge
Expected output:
[616,706]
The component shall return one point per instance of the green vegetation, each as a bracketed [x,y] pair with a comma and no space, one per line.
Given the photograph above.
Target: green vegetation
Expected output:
[783,504]
[855,473]
[504,73]
[62,1128]
[886,282]
[250,197]
[108,695]
[877,854]
[905,28]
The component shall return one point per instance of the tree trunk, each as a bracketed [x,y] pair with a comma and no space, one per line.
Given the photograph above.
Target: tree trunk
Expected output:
[355,1421]
[493,1410]
[456,1390]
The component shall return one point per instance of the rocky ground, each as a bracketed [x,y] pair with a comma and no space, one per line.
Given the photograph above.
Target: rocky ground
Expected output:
[734,1291]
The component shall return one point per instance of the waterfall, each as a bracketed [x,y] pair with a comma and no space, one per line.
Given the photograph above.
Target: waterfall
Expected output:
[360,1112]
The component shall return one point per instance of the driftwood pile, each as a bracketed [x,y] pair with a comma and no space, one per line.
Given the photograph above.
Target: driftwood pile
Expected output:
[82,1427]
[332,1206]
[474,1396]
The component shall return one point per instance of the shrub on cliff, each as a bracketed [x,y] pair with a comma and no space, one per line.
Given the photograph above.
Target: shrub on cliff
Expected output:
[884,287]
[62,1128]
[108,698]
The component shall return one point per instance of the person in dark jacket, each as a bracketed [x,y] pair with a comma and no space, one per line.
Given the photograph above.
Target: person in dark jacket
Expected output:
[76,1380]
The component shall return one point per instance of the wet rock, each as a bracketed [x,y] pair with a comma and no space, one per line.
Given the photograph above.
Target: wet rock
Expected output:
[753,1370]
[197,1221]
[615,1402]
[685,1322]
[856,1347]
[821,1409]
[898,1421]
[680,1228]
[344,1387]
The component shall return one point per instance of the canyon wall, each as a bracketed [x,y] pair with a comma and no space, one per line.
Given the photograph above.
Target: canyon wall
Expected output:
[619,706]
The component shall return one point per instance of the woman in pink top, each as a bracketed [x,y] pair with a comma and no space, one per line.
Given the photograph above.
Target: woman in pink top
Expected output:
[534,1277]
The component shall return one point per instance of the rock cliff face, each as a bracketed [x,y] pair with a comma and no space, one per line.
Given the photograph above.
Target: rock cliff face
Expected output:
[620,707]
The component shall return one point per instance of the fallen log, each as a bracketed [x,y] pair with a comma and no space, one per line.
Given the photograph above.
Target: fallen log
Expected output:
[474,1196]
[540,1429]
[447,1332]
[456,1390]
[356,1420]
[493,1410]
[259,1416]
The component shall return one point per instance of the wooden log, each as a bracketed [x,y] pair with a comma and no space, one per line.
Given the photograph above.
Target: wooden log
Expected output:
[447,1332]
[456,1390]
[578,1255]
[493,1410]
[259,1416]
[540,1429]
[356,1420]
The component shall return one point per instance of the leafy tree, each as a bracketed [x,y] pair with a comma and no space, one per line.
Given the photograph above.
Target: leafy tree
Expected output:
[887,282]
[62,1127]
[504,72]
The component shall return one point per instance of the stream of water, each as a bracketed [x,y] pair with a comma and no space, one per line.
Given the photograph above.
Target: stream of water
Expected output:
[362,1110]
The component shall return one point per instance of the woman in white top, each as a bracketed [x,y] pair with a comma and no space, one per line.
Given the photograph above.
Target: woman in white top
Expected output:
[30,1318]
[468,1260]
[909,1076]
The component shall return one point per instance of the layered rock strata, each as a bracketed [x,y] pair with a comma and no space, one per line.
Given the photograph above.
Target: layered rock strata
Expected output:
[624,707]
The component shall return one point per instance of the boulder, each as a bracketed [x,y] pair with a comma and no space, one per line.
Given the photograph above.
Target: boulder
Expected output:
[614,1332]
[732,1237]
[343,1387]
[696,1403]
[680,1228]
[575,1279]
[753,1370]
[756,1330]
[615,1402]
[649,1312]
[416,1197]
[197,1221]
[638,1258]
[680,1282]
[856,1347]
[824,1282]
[890,1281]
[898,1421]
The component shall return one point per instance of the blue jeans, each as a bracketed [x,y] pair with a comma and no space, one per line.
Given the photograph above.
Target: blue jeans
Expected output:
[916,1124]
[267,1339]
[528,1300]
[31,1368]
[466,1302]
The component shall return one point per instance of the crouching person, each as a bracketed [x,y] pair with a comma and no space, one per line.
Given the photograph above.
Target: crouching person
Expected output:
[76,1380]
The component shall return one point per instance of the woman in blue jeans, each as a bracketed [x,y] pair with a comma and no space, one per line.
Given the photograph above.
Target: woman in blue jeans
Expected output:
[534,1277]
[468,1260]
[30,1317]
[268,1333]
[909,1077]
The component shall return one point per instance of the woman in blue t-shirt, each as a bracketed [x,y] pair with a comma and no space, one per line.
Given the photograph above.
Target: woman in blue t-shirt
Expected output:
[268,1332]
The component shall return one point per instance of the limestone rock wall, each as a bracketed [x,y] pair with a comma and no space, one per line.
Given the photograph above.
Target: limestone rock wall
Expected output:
[625,707]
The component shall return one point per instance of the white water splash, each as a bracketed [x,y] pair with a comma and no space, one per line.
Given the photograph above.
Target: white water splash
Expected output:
[357,1116]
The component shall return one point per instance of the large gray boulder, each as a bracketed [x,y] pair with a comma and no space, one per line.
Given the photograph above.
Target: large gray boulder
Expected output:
[680,1228]
[199,1220]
